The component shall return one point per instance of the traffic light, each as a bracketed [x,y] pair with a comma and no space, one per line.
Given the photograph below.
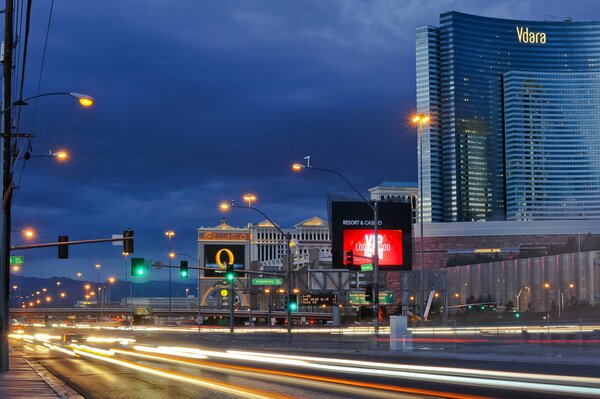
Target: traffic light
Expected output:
[293,302]
[517,315]
[138,267]
[128,241]
[183,269]
[350,258]
[369,292]
[229,273]
[63,249]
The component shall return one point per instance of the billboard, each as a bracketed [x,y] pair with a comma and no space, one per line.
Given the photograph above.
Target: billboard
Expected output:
[352,230]
[216,256]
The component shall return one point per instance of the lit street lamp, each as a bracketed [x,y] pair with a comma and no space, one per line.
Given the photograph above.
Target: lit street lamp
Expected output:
[111,280]
[288,238]
[170,234]
[374,207]
[249,198]
[420,120]
[98,266]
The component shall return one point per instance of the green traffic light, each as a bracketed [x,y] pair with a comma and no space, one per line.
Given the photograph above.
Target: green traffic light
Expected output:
[293,306]
[183,274]
[517,315]
[230,277]
[140,272]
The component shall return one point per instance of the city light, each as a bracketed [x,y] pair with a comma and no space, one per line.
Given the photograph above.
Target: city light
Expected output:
[29,233]
[112,280]
[87,287]
[171,255]
[62,294]
[170,234]
[298,167]
[84,99]
[546,285]
[224,206]
[61,155]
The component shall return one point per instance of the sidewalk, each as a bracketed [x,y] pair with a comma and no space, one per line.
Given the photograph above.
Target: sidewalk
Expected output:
[28,379]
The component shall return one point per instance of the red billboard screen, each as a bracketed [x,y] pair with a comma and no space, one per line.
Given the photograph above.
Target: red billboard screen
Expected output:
[360,242]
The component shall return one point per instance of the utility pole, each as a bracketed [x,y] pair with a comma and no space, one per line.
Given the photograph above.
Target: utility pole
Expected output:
[7,184]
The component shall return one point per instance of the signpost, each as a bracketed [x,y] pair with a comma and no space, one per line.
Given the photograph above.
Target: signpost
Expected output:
[358,298]
[366,267]
[267,281]
[318,300]
[17,260]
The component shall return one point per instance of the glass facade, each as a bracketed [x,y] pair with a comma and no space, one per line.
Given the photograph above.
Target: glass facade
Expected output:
[515,126]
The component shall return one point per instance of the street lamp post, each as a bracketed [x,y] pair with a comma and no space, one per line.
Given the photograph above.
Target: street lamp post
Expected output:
[518,296]
[111,280]
[288,240]
[374,207]
[420,120]
[249,198]
[98,266]
[170,234]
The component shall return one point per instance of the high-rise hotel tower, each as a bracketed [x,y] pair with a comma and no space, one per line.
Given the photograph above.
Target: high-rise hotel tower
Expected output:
[515,119]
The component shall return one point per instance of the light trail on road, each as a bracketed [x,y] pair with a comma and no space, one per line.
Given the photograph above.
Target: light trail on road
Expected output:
[310,372]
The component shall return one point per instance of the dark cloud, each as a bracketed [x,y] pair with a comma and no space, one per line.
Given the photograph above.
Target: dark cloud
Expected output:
[201,101]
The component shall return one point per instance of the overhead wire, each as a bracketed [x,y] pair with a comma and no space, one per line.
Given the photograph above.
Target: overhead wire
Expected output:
[39,85]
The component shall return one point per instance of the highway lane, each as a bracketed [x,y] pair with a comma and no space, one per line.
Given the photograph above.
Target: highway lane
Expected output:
[118,368]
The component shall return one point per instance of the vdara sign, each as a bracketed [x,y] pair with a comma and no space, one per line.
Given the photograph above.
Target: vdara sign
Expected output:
[525,36]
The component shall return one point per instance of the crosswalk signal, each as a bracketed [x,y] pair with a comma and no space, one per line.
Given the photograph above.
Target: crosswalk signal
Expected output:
[138,267]
[229,273]
[128,241]
[293,302]
[369,292]
[63,249]
[183,269]
[350,258]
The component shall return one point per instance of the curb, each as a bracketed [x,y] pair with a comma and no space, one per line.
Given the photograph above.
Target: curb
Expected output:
[61,389]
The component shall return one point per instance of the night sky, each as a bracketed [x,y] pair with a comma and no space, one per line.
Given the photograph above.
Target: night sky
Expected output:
[202,101]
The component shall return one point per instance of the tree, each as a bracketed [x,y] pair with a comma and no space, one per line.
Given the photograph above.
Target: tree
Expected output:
[510,306]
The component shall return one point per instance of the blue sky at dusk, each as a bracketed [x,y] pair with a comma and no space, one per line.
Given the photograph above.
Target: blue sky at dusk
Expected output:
[202,101]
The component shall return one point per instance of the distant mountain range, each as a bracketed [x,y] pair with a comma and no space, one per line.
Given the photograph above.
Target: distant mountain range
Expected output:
[74,289]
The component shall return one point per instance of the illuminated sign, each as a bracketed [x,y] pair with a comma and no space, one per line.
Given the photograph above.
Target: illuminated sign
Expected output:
[362,244]
[530,37]
[267,281]
[358,298]
[219,256]
[318,300]
[216,236]
[352,229]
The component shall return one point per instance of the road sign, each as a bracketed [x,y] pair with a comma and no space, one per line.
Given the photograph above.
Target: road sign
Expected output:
[366,267]
[358,298]
[318,300]
[267,281]
[17,260]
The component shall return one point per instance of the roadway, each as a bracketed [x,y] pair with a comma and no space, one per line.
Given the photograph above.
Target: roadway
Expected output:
[115,365]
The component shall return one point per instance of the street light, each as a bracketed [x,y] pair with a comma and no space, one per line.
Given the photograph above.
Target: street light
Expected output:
[288,238]
[84,99]
[111,280]
[420,120]
[170,234]
[374,207]
[249,198]
[98,266]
